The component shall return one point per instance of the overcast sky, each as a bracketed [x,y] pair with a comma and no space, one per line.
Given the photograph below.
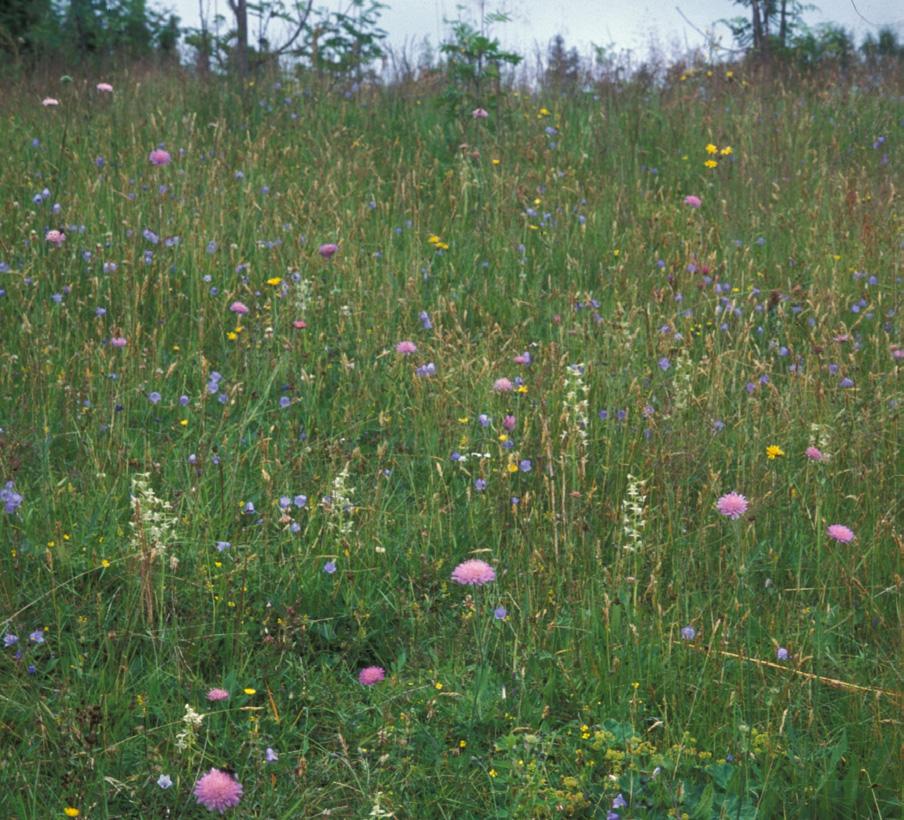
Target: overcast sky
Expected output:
[630,24]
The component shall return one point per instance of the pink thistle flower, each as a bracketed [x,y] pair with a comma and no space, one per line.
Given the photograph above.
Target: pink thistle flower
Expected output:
[406,348]
[239,307]
[897,353]
[814,454]
[217,791]
[480,114]
[732,505]
[119,341]
[503,385]
[693,201]
[509,423]
[50,102]
[215,695]
[840,533]
[473,573]
[522,358]
[328,250]
[55,237]
[160,157]
[104,88]
[299,324]
[371,675]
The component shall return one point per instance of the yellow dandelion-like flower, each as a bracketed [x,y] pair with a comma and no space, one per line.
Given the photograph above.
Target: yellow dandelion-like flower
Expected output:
[712,149]
[729,75]
[727,151]
[71,811]
[773,451]
[711,163]
[249,691]
[105,563]
[274,280]
[232,335]
[512,468]
[522,389]
[496,161]
[544,112]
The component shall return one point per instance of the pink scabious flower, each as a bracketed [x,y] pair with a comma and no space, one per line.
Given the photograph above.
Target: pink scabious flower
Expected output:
[370,675]
[406,348]
[55,237]
[118,341]
[474,573]
[840,533]
[215,695]
[104,88]
[503,385]
[239,307]
[479,114]
[217,791]
[732,505]
[50,102]
[160,157]
[814,454]
[328,250]
[693,201]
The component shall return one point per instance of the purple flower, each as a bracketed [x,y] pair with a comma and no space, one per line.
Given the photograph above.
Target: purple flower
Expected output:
[619,802]
[222,546]
[284,402]
[846,383]
[500,613]
[10,499]
[10,640]
[37,636]
[525,465]
[480,484]
[483,420]
[300,501]
[154,397]
[664,364]
[329,567]
[426,370]
[688,633]
[782,654]
[270,756]
[425,320]
[164,781]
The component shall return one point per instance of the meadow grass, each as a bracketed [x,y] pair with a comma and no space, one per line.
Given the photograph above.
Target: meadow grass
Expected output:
[652,657]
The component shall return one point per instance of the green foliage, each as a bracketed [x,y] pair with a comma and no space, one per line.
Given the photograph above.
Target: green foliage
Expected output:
[669,347]
[345,44]
[474,63]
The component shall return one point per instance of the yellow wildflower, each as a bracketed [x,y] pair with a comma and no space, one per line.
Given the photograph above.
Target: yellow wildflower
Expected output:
[711,163]
[773,451]
[712,149]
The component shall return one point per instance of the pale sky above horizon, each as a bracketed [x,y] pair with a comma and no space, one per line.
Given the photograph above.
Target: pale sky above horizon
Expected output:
[583,23]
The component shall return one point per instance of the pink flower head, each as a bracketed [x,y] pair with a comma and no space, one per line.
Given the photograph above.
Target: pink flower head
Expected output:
[160,157]
[299,324]
[509,423]
[897,353]
[522,358]
[328,250]
[104,88]
[473,573]
[118,341]
[732,505]
[479,114]
[239,307]
[406,348]
[370,675]
[693,201]
[814,454]
[49,102]
[840,533]
[503,385]
[55,237]
[215,695]
[217,791]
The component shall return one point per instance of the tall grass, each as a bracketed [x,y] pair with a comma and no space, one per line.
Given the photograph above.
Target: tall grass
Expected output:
[669,347]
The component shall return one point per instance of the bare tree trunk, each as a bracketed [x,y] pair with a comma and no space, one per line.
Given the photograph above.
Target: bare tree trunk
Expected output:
[240,11]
